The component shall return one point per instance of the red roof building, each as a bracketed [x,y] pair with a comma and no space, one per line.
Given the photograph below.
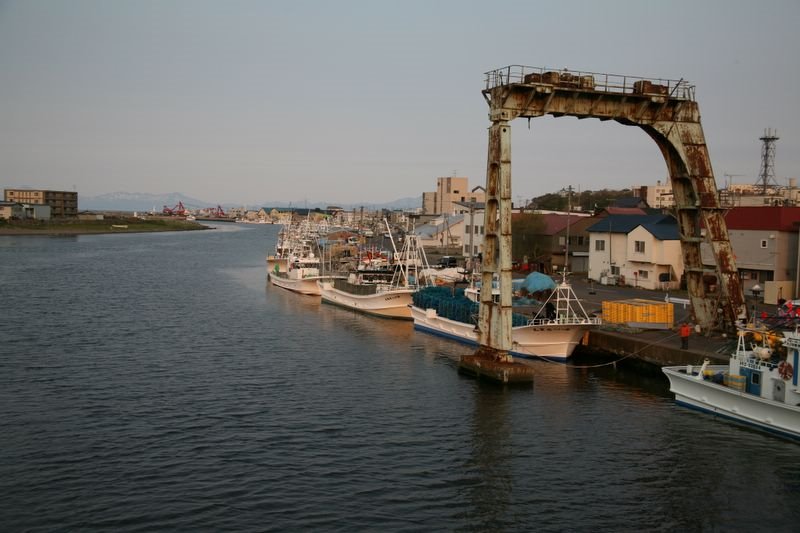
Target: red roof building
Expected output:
[765,241]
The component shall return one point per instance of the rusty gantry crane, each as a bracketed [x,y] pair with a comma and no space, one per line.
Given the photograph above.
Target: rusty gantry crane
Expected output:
[667,112]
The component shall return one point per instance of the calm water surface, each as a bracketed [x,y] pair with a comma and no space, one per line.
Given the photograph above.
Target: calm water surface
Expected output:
[155,382]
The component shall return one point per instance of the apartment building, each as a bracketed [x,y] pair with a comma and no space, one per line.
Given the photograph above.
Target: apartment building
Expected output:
[62,203]
[450,193]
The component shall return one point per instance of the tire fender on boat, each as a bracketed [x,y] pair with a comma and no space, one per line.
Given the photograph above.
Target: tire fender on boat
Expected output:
[785,370]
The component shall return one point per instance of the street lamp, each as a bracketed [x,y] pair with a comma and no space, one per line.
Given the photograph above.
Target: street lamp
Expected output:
[756,290]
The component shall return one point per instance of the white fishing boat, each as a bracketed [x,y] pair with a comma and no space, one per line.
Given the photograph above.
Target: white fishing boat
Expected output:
[384,292]
[295,266]
[758,387]
[298,274]
[553,333]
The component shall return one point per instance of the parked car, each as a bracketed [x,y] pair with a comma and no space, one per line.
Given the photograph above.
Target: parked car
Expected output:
[448,261]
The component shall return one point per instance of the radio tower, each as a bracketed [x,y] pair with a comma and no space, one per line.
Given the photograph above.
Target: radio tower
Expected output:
[767,175]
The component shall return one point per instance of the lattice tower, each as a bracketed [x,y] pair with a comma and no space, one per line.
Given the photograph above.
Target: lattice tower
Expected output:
[767,176]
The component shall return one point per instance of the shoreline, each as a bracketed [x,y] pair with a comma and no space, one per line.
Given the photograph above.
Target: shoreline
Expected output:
[104,227]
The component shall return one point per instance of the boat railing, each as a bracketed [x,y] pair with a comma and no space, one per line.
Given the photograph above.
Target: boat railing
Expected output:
[565,321]
[751,361]
[791,340]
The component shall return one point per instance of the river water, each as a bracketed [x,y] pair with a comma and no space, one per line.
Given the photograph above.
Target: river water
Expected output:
[156,382]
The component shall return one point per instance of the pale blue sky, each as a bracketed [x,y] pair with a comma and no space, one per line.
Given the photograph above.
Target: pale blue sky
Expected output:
[368,101]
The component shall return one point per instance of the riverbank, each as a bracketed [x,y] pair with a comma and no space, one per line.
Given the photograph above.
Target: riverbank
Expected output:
[93,227]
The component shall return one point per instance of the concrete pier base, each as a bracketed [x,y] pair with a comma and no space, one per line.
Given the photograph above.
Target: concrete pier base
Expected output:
[495,366]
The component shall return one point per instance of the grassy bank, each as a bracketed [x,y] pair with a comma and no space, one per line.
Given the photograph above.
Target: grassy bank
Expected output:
[107,225]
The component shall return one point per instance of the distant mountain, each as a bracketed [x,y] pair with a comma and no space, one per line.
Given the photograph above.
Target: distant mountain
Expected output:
[402,203]
[130,201]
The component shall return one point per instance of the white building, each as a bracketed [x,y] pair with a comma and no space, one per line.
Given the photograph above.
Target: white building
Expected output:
[636,250]
[444,231]
[657,196]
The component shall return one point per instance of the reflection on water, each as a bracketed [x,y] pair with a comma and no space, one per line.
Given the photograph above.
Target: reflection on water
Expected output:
[140,367]
[490,468]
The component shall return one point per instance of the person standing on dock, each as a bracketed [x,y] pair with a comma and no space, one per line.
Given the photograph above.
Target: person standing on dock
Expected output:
[685,332]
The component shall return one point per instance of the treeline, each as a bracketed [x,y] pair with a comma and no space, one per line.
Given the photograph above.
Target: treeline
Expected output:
[586,201]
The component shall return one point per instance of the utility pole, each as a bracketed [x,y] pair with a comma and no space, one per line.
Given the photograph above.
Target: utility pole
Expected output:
[568,190]
[471,234]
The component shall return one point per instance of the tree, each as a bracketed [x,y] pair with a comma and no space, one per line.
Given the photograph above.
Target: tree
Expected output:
[587,200]
[527,237]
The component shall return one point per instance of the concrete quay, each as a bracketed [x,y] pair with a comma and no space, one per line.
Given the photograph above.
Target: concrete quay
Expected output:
[655,348]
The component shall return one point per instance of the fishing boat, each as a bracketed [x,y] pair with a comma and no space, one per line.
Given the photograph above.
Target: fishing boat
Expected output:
[294,265]
[759,386]
[384,292]
[297,274]
[553,332]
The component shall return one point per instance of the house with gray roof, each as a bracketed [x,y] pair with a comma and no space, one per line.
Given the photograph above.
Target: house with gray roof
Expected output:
[445,231]
[636,250]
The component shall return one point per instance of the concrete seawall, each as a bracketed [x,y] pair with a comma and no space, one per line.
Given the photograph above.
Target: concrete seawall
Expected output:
[660,348]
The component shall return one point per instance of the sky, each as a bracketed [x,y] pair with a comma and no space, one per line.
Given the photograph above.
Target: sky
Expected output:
[369,101]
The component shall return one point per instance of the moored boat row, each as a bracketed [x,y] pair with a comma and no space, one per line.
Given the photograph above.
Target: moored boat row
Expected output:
[758,387]
[400,288]
[295,265]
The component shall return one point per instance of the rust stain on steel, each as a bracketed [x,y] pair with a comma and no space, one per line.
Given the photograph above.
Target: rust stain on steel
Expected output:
[667,111]
[697,157]
[716,226]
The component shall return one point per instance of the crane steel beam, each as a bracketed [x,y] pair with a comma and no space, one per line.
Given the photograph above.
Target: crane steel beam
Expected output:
[494,317]
[667,112]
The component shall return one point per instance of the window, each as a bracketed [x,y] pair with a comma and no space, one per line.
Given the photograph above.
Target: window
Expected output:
[643,274]
[475,230]
[562,240]
[614,271]
[469,228]
[763,243]
[638,246]
[599,245]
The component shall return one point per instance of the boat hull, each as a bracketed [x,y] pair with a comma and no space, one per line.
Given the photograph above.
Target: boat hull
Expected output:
[389,304]
[307,286]
[552,342]
[719,399]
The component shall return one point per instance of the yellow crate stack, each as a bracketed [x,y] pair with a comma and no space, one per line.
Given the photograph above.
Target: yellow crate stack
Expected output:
[640,313]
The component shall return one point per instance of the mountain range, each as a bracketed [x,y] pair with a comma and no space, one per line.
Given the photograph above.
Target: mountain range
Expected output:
[130,201]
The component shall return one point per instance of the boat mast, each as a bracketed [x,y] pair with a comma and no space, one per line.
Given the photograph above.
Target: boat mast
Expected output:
[403,261]
[566,247]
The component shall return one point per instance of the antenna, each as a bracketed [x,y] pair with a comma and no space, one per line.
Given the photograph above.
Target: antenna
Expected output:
[767,174]
[729,179]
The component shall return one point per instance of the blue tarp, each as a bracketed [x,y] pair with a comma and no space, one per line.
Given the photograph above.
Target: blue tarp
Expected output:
[536,281]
